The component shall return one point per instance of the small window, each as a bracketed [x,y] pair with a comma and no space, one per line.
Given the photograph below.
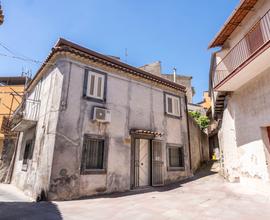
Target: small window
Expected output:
[172,105]
[93,158]
[28,150]
[175,157]
[95,85]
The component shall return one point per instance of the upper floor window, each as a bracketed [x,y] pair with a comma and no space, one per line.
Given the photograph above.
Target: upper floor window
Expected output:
[95,85]
[172,105]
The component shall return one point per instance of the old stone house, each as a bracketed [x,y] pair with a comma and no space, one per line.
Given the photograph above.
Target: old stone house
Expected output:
[92,124]
[239,86]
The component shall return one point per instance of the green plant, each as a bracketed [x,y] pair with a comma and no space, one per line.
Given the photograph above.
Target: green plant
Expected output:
[202,120]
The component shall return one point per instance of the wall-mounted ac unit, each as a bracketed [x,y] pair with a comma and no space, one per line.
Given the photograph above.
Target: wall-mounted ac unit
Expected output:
[102,115]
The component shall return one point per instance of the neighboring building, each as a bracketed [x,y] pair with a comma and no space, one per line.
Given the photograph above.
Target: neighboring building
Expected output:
[155,68]
[196,108]
[92,124]
[11,93]
[182,80]
[239,88]
[206,103]
[199,145]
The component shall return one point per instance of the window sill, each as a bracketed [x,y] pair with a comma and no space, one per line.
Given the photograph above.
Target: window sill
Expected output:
[94,99]
[24,167]
[97,171]
[176,169]
[173,116]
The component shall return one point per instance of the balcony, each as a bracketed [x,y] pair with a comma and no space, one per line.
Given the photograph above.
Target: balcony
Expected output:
[26,116]
[248,58]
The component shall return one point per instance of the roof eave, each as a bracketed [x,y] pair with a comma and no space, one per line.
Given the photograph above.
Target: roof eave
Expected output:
[244,7]
[63,44]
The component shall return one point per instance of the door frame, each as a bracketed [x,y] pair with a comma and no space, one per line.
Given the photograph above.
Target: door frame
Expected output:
[132,158]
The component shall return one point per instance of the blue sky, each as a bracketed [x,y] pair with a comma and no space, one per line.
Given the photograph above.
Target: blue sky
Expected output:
[176,32]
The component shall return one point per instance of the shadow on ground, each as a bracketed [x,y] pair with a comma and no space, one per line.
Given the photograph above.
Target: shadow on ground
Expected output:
[29,211]
[204,171]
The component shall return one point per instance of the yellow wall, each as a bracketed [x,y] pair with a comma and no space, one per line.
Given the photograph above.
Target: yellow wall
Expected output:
[206,101]
[6,100]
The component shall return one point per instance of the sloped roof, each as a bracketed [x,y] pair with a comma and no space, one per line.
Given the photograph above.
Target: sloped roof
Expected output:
[63,45]
[233,22]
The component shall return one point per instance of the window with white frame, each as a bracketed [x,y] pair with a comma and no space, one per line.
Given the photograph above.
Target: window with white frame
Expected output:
[95,85]
[172,105]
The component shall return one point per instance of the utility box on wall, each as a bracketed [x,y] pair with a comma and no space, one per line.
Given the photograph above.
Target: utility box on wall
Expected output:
[102,115]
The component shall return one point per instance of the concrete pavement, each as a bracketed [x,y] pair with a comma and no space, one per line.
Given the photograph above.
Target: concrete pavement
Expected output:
[207,196]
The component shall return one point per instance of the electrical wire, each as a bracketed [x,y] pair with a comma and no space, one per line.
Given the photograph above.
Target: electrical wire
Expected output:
[20,57]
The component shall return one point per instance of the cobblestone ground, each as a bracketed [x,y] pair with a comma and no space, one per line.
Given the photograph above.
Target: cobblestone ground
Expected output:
[206,196]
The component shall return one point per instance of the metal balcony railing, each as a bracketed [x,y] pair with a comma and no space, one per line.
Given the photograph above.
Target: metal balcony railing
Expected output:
[252,42]
[27,111]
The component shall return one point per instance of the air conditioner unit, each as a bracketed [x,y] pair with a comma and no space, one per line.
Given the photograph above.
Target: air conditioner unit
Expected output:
[102,115]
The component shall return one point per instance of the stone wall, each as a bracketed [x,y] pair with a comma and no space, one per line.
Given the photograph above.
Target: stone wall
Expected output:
[198,143]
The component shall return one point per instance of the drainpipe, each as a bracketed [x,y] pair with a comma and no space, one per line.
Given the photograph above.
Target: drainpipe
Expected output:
[189,148]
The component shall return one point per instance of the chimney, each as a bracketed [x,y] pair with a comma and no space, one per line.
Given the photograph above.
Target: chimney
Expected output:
[174,74]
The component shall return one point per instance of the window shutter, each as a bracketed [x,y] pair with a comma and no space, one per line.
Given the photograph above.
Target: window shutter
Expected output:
[99,87]
[176,106]
[157,164]
[92,85]
[85,82]
[169,103]
[255,38]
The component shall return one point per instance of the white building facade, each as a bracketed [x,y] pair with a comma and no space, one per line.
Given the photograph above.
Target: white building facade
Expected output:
[240,89]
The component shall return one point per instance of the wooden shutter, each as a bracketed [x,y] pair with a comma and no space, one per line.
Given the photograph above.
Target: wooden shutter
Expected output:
[92,85]
[157,164]
[255,38]
[85,82]
[176,107]
[169,105]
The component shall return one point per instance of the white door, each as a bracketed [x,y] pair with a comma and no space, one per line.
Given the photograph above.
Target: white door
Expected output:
[144,163]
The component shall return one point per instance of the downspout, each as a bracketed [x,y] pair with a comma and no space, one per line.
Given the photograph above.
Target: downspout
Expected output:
[189,147]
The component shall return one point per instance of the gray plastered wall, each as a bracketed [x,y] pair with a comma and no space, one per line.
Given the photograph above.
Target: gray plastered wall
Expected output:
[133,104]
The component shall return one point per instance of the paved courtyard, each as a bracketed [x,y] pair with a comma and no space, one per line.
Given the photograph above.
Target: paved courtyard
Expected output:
[207,196]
